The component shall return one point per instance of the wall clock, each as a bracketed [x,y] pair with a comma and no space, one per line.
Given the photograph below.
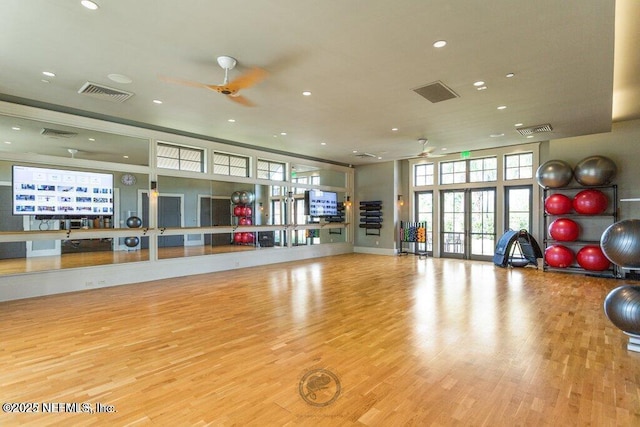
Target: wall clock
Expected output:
[128,179]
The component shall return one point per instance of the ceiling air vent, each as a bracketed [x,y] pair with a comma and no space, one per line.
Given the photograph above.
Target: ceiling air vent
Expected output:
[535,129]
[436,92]
[104,92]
[55,133]
[366,155]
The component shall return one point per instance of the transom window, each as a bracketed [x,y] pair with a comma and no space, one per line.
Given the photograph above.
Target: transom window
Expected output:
[453,172]
[483,170]
[229,164]
[423,174]
[312,179]
[178,157]
[518,166]
[268,169]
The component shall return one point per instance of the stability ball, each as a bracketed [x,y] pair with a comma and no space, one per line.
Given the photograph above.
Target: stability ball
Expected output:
[235,197]
[590,202]
[238,211]
[244,221]
[564,230]
[558,256]
[595,170]
[247,211]
[557,204]
[134,222]
[238,237]
[246,197]
[620,242]
[592,258]
[554,174]
[247,238]
[131,242]
[622,307]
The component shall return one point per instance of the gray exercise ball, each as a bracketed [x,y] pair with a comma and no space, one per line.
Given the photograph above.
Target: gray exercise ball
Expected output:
[235,197]
[134,222]
[131,242]
[622,307]
[595,170]
[620,243]
[246,197]
[554,174]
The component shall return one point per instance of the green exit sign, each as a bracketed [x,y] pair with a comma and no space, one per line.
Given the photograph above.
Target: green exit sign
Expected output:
[465,154]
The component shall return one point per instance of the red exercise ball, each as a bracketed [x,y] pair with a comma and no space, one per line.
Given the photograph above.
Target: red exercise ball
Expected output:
[247,238]
[238,211]
[590,202]
[558,256]
[247,211]
[591,257]
[238,237]
[244,221]
[557,204]
[564,230]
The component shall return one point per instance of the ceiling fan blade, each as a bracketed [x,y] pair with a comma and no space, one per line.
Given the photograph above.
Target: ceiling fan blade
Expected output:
[241,100]
[185,82]
[248,79]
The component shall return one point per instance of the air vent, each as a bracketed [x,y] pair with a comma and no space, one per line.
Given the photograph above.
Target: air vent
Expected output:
[55,133]
[366,155]
[436,92]
[104,92]
[535,129]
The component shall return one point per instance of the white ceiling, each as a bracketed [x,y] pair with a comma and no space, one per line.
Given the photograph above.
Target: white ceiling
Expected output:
[359,58]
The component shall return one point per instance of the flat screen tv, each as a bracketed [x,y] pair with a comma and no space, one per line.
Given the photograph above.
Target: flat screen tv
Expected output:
[48,192]
[321,203]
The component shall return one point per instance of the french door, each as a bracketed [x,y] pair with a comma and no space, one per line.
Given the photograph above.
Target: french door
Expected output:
[467,228]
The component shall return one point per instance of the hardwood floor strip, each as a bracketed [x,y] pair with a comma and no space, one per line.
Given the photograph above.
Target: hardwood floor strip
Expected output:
[413,342]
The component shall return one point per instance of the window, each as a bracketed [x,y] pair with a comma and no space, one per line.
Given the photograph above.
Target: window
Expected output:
[313,180]
[453,172]
[423,174]
[177,157]
[271,170]
[518,166]
[483,170]
[518,202]
[228,164]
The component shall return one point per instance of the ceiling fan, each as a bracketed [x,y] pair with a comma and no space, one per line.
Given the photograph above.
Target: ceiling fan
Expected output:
[229,88]
[427,152]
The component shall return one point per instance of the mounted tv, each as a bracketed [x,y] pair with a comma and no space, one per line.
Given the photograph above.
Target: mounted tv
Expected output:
[50,193]
[321,203]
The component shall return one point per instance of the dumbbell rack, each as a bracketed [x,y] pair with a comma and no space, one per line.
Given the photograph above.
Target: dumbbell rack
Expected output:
[413,232]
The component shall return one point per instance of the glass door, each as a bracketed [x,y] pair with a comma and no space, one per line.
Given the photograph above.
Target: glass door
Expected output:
[424,213]
[468,223]
[453,228]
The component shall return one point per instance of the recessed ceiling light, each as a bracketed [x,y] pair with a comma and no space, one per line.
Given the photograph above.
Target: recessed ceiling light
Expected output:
[529,136]
[125,156]
[518,124]
[496,135]
[89,4]
[15,128]
[478,83]
[157,101]
[49,74]
[45,81]
[394,129]
[306,93]
[379,158]
[283,133]
[440,43]
[323,143]
[120,78]
[444,149]
[509,75]
[231,120]
[355,151]
[7,142]
[92,139]
[482,88]
[502,107]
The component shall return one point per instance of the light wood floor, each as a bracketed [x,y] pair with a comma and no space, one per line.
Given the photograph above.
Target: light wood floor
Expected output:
[413,342]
